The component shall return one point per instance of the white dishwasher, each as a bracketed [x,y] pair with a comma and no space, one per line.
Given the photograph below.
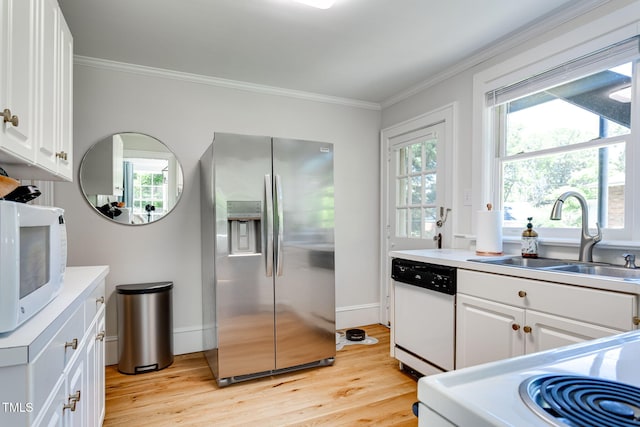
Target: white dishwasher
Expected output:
[424,315]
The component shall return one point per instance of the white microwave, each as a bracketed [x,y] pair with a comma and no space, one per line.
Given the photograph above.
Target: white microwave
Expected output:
[33,259]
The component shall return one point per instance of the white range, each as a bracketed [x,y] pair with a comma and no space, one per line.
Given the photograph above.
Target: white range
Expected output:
[594,384]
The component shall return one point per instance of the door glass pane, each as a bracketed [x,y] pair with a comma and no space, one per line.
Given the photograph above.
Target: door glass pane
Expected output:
[401,222]
[429,223]
[415,180]
[430,188]
[416,190]
[403,186]
[416,158]
[431,158]
[416,222]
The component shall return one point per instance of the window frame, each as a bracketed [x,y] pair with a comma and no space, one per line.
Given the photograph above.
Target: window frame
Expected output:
[486,130]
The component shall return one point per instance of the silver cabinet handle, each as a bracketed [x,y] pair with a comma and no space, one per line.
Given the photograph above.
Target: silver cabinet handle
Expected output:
[100,336]
[73,344]
[268,197]
[72,400]
[10,118]
[100,300]
[279,208]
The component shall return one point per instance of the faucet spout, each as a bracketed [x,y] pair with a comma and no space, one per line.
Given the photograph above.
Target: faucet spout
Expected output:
[587,241]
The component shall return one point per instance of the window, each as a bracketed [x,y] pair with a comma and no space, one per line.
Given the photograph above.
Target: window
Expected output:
[569,128]
[416,162]
[149,187]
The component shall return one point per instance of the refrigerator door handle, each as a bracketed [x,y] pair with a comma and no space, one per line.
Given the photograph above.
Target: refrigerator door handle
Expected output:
[280,231]
[268,197]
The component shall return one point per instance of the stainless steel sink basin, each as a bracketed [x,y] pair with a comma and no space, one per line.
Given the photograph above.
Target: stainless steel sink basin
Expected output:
[518,261]
[600,270]
[565,266]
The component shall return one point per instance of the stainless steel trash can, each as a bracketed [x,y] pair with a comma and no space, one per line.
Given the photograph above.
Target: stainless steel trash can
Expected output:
[145,327]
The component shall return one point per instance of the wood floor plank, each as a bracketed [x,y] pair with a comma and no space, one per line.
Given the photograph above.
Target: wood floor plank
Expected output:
[364,387]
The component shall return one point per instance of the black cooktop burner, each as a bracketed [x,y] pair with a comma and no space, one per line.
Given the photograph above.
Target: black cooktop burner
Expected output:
[579,401]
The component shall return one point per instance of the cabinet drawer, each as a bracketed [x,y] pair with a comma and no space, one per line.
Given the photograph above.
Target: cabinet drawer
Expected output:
[607,308]
[94,302]
[51,362]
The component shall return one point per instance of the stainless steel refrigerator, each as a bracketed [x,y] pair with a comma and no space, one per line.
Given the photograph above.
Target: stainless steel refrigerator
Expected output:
[268,256]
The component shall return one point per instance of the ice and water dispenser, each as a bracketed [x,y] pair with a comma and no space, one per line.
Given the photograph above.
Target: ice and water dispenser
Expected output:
[244,219]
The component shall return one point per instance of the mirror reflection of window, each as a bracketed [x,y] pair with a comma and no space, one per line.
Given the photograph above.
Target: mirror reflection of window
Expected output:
[137,183]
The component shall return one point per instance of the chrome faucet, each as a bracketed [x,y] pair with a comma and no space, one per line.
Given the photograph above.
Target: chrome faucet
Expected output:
[587,241]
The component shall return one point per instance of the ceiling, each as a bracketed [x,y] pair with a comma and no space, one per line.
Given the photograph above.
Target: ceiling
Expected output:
[365,50]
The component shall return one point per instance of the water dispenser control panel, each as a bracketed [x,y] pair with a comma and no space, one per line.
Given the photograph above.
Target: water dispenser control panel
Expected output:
[244,219]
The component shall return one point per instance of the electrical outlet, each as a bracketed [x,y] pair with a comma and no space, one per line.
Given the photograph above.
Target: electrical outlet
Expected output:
[467,197]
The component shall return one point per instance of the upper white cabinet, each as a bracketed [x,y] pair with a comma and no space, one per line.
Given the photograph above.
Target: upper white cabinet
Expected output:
[17,67]
[37,78]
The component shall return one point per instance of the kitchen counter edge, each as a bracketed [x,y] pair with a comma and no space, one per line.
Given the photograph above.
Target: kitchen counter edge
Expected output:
[460,258]
[79,282]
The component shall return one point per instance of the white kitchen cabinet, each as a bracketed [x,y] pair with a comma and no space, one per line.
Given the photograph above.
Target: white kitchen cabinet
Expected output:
[54,78]
[501,316]
[17,65]
[52,367]
[37,77]
[95,376]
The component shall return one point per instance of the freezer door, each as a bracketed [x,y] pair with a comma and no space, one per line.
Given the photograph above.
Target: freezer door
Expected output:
[304,262]
[243,280]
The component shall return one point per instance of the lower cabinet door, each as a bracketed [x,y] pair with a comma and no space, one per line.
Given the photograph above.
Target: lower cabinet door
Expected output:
[548,331]
[76,399]
[52,415]
[487,331]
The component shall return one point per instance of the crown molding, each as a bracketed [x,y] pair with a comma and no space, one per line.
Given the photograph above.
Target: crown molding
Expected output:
[539,27]
[86,61]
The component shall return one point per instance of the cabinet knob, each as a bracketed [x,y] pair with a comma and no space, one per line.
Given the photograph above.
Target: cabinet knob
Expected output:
[515,327]
[61,155]
[73,344]
[100,300]
[100,336]
[527,329]
[8,118]
[522,294]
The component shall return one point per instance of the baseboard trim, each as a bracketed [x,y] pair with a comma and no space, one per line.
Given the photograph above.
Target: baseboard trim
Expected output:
[189,340]
[357,315]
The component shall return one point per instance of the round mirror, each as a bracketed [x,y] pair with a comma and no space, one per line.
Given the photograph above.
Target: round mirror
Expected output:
[131,178]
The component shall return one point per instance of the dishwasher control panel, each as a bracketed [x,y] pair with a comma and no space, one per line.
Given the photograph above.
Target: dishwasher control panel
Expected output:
[439,278]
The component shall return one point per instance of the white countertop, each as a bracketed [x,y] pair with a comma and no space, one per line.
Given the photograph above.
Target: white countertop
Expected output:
[460,258]
[79,282]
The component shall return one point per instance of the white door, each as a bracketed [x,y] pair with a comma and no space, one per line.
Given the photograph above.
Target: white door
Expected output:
[414,188]
[416,181]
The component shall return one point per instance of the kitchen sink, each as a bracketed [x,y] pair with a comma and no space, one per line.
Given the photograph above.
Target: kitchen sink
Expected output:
[565,266]
[518,261]
[600,270]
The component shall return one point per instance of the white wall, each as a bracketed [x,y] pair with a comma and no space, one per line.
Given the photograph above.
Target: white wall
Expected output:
[184,115]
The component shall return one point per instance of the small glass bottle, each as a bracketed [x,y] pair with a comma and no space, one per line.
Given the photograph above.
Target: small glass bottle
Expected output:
[529,241]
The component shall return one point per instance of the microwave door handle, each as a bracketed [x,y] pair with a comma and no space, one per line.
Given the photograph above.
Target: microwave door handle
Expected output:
[280,231]
[268,196]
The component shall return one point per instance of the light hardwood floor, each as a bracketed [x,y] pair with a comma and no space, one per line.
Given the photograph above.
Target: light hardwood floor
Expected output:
[364,387]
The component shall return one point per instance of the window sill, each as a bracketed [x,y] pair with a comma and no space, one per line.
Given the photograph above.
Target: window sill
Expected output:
[568,243]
